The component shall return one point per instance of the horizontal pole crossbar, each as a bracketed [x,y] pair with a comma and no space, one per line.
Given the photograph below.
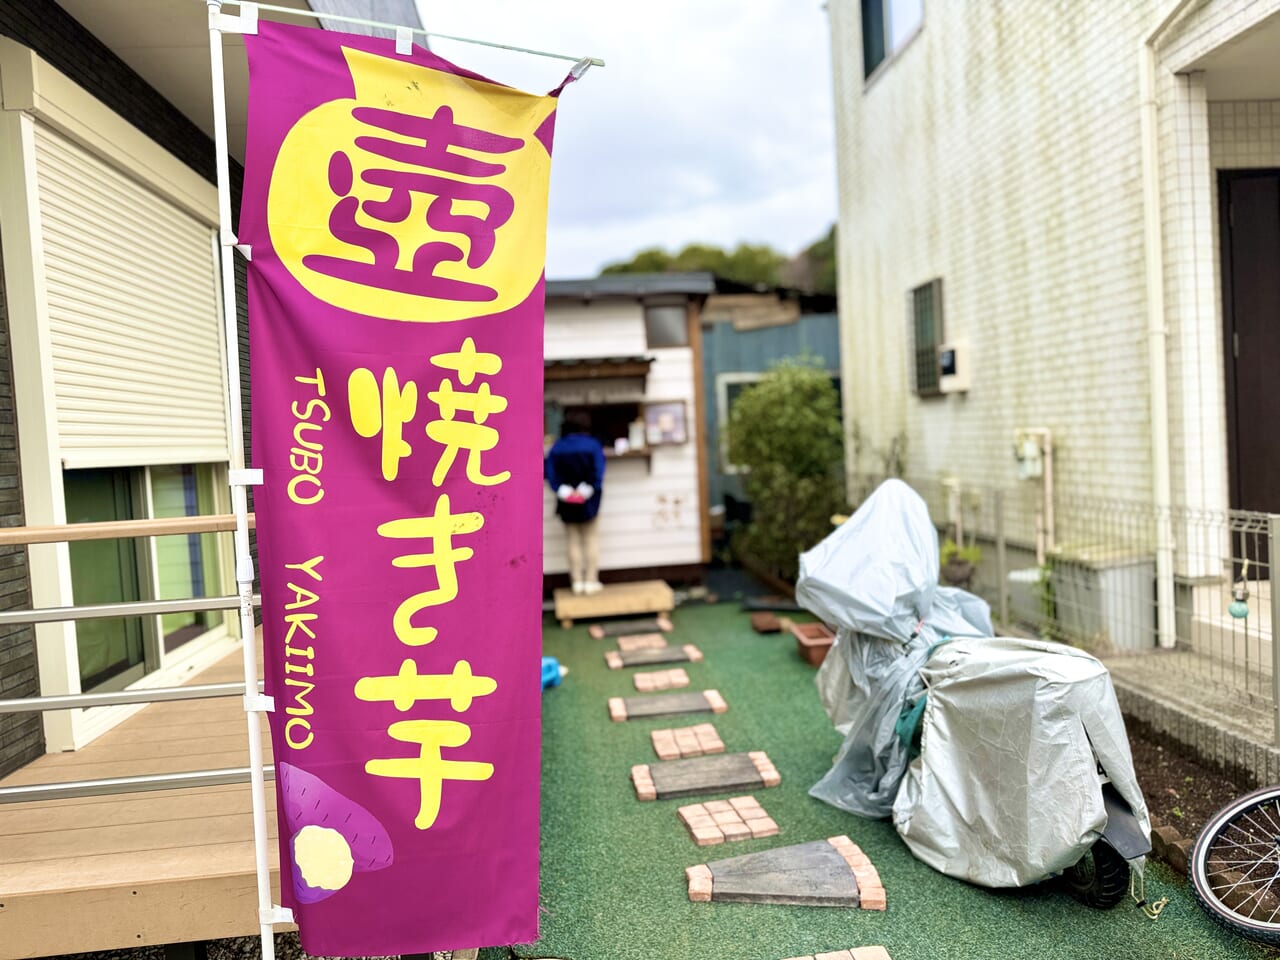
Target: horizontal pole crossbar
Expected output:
[72,701]
[119,529]
[382,24]
[131,608]
[77,789]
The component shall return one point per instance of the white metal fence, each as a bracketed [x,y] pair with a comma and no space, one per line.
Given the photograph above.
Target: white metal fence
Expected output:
[1095,584]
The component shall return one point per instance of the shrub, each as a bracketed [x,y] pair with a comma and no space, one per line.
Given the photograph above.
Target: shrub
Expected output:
[785,430]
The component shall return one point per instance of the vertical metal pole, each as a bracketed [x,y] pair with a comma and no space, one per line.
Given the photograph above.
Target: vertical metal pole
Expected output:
[1002,560]
[1273,541]
[239,500]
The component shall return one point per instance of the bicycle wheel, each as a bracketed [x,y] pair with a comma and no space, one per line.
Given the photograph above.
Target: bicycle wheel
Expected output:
[1235,866]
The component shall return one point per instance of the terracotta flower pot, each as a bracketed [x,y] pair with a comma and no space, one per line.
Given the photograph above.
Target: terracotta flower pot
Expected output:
[813,640]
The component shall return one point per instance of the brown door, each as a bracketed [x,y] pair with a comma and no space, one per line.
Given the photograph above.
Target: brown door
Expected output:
[1249,202]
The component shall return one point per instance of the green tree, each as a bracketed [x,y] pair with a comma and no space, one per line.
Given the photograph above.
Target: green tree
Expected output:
[746,263]
[786,431]
[821,257]
[649,260]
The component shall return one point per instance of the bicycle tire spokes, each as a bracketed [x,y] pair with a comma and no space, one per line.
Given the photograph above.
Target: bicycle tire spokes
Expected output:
[1236,866]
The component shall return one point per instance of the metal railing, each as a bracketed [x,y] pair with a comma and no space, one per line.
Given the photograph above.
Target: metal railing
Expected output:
[1097,587]
[71,533]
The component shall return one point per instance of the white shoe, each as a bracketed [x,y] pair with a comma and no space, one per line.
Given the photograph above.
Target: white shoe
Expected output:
[592,586]
[579,587]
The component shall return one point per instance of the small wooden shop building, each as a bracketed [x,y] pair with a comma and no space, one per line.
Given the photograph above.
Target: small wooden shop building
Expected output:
[627,348]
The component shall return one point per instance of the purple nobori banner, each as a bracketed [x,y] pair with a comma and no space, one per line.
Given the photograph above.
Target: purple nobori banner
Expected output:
[396,206]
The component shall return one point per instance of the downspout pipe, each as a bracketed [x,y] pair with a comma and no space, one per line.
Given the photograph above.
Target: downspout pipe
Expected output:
[1157,329]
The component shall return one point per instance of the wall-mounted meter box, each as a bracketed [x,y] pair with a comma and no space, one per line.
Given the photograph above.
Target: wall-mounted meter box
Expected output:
[954,374]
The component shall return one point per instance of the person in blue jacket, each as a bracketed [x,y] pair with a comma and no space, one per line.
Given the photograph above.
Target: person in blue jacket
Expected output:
[575,470]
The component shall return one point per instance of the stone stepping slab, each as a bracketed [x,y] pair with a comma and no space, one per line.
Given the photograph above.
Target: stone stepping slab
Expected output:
[653,680]
[695,777]
[822,873]
[617,659]
[853,953]
[666,704]
[618,628]
[683,742]
[739,818]
[641,641]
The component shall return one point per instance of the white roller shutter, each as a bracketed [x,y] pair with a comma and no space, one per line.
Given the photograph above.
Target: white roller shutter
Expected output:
[134,318]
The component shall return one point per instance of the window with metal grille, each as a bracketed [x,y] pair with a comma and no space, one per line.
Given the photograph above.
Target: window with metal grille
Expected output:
[926,335]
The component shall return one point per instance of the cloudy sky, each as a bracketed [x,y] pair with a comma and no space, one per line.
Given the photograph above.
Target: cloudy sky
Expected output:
[710,122]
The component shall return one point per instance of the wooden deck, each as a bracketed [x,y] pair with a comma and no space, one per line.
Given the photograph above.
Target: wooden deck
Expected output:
[615,600]
[138,869]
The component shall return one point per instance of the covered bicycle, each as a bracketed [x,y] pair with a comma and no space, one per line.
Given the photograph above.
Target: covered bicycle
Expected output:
[1002,761]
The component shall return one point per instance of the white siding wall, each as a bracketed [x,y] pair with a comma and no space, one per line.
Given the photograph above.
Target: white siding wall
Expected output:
[133,316]
[1000,151]
[650,514]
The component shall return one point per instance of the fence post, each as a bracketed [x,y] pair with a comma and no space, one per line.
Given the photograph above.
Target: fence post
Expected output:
[1273,540]
[1002,561]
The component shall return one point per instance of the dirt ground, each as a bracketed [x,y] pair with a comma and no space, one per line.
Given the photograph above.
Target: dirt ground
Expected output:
[1179,791]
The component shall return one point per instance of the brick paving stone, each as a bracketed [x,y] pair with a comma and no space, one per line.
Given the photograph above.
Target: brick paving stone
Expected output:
[868,878]
[699,878]
[641,641]
[719,820]
[657,680]
[874,900]
[707,836]
[708,739]
[768,772]
[762,827]
[834,955]
[692,652]
[715,701]
[870,953]
[613,659]
[617,709]
[643,781]
[664,744]
[683,742]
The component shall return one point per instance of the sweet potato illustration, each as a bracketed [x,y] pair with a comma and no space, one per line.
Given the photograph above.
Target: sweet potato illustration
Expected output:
[322,863]
[330,835]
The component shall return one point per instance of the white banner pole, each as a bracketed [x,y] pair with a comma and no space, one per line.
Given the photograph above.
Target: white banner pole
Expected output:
[240,478]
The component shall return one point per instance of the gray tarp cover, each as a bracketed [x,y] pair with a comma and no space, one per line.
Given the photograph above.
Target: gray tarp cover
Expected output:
[1006,790]
[875,579]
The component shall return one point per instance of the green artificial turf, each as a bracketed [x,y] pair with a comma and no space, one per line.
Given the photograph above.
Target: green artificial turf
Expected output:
[613,882]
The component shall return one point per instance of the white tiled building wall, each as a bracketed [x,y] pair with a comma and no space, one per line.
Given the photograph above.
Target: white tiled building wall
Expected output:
[1000,150]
